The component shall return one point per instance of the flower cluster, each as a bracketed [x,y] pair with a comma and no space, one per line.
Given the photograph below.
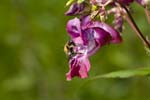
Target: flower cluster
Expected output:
[89,31]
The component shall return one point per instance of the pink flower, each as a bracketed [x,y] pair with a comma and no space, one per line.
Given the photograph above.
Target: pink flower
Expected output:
[144,3]
[75,9]
[126,2]
[88,37]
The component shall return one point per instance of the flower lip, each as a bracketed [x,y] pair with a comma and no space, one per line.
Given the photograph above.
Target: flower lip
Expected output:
[79,66]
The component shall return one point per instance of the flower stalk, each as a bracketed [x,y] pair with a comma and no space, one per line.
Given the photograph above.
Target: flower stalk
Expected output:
[134,26]
[147,13]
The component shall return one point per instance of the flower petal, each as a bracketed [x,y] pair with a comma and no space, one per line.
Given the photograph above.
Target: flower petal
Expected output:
[85,20]
[95,38]
[74,28]
[79,66]
[75,9]
[72,10]
[99,2]
[126,2]
[116,38]
[99,35]
[102,37]
[143,2]
[118,23]
[87,36]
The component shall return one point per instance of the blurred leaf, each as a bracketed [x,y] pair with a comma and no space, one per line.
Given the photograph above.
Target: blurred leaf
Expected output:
[147,50]
[125,74]
[69,2]
[19,82]
[80,1]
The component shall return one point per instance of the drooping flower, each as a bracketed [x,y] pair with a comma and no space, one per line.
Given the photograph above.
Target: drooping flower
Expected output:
[98,2]
[118,23]
[144,3]
[106,2]
[126,2]
[88,37]
[75,9]
[118,13]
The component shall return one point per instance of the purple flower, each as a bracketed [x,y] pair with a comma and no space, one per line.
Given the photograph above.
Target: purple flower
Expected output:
[88,37]
[118,23]
[126,2]
[75,9]
[144,3]
[99,2]
[118,18]
[105,2]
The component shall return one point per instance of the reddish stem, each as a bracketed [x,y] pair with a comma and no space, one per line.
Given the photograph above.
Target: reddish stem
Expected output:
[147,14]
[132,23]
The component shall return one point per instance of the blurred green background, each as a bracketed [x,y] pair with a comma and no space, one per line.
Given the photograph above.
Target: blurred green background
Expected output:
[33,64]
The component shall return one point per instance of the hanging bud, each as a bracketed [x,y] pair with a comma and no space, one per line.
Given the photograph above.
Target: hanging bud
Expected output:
[144,3]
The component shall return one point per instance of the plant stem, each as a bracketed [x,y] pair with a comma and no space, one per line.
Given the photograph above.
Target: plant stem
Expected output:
[132,23]
[147,14]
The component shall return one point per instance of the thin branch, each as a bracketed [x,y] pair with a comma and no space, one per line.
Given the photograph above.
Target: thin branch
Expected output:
[132,23]
[147,13]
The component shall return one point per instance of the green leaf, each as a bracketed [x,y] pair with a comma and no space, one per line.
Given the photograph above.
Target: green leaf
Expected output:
[94,7]
[80,1]
[69,2]
[147,50]
[125,74]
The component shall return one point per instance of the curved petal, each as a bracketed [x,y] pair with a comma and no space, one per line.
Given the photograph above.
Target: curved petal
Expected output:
[75,9]
[116,38]
[85,20]
[99,35]
[78,40]
[126,2]
[87,36]
[74,28]
[72,10]
[79,66]
[95,38]
[102,37]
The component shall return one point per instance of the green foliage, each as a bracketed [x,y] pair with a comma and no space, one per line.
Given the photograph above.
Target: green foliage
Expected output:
[69,2]
[125,73]
[80,1]
[147,50]
[33,64]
